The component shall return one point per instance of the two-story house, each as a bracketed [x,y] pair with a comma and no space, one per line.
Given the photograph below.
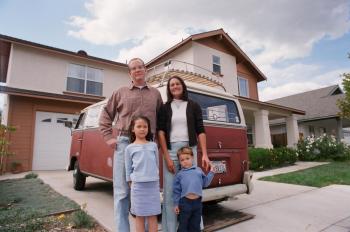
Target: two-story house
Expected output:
[46,86]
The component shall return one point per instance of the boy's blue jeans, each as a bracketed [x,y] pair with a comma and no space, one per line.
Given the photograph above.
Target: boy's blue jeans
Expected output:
[190,215]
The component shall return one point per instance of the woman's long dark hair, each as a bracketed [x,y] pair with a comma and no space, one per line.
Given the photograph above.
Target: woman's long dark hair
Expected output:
[184,89]
[132,136]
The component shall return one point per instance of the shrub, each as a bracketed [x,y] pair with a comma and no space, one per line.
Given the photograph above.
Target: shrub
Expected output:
[259,158]
[262,158]
[324,147]
[81,219]
[31,175]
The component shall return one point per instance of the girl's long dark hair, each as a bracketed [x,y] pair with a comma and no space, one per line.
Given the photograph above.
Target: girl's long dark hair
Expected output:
[132,136]
[184,89]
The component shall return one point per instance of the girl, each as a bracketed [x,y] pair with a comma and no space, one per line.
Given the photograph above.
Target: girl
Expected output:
[142,174]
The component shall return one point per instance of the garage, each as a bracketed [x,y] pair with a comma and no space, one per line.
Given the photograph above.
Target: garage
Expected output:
[51,140]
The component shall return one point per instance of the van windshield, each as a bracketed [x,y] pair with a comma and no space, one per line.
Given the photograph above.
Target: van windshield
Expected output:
[216,109]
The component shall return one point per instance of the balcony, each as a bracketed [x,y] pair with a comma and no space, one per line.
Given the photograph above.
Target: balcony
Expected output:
[188,72]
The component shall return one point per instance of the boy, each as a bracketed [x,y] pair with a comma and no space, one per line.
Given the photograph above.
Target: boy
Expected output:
[188,185]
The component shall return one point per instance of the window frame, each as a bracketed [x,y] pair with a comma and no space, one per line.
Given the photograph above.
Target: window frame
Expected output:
[239,86]
[217,64]
[85,79]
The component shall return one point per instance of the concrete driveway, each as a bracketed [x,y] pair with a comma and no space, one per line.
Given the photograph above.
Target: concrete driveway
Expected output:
[277,207]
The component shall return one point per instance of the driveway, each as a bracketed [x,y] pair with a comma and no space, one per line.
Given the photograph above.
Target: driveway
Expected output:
[276,206]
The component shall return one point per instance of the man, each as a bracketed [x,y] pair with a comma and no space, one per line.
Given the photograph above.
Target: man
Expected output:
[126,102]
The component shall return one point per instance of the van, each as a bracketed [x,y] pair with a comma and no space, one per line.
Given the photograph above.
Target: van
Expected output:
[227,144]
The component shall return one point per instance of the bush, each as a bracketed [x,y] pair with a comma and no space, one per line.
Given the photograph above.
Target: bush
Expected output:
[31,175]
[81,219]
[322,148]
[261,158]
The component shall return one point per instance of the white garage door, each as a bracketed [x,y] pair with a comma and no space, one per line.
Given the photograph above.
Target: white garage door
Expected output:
[51,141]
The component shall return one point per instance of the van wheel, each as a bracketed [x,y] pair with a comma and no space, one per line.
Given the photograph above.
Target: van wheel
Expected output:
[79,178]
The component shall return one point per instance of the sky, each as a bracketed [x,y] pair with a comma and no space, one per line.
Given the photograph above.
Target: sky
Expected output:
[299,45]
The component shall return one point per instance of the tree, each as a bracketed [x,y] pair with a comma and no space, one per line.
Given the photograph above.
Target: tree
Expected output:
[344,104]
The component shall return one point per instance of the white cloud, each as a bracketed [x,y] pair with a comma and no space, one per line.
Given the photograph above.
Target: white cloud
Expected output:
[270,31]
[297,79]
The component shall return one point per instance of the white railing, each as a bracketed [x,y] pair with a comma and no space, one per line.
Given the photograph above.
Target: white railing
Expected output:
[177,65]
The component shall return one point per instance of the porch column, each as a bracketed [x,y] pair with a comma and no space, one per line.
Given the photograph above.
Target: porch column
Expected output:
[292,130]
[262,129]
[339,129]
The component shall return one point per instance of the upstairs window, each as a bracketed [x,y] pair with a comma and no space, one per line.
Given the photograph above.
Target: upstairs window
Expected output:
[243,87]
[84,79]
[216,65]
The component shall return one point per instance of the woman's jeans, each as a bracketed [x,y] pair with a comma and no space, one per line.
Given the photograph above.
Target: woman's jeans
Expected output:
[169,218]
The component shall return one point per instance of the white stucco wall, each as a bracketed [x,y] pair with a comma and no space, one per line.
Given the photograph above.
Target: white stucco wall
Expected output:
[46,71]
[203,57]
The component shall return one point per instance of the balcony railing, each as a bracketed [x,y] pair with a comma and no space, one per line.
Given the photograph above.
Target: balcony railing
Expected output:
[160,73]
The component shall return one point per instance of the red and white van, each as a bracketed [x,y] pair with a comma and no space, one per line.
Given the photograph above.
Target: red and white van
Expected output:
[226,143]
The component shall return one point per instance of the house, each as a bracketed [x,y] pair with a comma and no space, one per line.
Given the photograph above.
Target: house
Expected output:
[321,114]
[213,56]
[46,86]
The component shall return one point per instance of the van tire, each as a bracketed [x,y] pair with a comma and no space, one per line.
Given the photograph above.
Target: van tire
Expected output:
[79,178]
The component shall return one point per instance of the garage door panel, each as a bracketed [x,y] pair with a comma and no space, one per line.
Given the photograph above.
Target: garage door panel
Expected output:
[51,141]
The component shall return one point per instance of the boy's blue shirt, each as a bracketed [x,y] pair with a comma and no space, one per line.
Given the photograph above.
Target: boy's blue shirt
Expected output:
[141,162]
[190,180]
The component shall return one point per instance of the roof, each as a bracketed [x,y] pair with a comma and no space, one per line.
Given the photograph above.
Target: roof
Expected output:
[317,104]
[232,45]
[79,54]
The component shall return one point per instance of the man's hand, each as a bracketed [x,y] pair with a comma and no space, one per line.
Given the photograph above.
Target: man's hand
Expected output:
[177,209]
[111,142]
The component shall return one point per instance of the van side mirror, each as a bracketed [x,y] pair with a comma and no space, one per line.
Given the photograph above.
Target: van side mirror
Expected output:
[68,124]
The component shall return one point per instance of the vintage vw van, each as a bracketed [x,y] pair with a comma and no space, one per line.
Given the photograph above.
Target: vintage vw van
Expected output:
[226,143]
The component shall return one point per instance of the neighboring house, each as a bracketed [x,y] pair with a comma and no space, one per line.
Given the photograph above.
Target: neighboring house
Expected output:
[46,86]
[321,114]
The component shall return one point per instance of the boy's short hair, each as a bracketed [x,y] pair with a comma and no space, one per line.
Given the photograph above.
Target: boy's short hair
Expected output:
[184,150]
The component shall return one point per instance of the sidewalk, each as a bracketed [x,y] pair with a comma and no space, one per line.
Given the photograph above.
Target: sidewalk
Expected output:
[276,206]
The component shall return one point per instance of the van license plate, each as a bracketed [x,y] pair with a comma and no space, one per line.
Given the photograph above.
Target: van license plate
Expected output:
[219,166]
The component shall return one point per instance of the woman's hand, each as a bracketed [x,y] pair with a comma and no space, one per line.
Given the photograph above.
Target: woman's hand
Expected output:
[205,162]
[170,165]
[177,209]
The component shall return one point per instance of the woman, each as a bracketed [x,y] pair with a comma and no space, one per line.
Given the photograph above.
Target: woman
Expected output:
[180,124]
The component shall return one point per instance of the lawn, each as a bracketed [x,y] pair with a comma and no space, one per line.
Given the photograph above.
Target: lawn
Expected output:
[320,176]
[32,205]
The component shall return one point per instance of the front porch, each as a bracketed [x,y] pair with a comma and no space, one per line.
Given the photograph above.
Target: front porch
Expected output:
[258,114]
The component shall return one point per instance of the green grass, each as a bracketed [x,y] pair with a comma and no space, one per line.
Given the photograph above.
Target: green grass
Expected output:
[320,176]
[23,203]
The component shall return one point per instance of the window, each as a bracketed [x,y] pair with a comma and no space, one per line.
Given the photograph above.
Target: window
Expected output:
[216,109]
[216,64]
[84,79]
[243,87]
[92,117]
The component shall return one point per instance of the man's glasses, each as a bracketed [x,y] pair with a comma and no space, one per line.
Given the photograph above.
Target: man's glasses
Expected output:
[137,68]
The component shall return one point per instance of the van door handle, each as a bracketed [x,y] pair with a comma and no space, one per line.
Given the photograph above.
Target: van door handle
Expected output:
[219,144]
[80,139]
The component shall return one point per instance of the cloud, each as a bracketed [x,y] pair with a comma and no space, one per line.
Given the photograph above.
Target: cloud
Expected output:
[297,79]
[268,31]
